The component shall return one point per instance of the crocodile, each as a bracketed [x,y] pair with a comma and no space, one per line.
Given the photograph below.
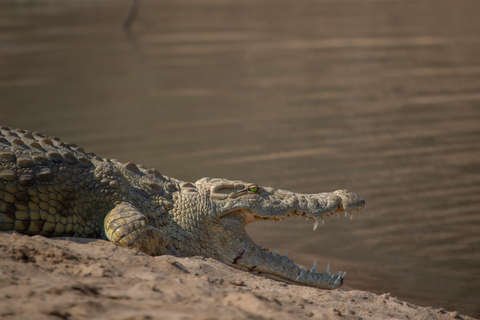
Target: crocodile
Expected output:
[52,188]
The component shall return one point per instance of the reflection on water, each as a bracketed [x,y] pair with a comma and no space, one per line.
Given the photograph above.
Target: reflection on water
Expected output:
[380,97]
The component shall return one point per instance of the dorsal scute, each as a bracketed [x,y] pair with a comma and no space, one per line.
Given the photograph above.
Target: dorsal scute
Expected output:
[35,149]
[132,168]
[155,173]
[151,180]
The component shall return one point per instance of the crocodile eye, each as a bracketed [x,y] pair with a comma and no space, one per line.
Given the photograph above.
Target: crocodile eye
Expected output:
[254,189]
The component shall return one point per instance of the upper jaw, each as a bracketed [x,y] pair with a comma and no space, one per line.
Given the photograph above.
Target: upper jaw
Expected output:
[278,204]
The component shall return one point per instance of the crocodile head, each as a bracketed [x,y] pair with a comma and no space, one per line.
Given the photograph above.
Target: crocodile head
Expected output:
[234,204]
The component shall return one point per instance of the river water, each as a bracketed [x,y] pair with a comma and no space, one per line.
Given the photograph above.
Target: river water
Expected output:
[379,97]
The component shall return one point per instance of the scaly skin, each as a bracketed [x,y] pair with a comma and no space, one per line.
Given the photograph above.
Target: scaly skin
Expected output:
[51,188]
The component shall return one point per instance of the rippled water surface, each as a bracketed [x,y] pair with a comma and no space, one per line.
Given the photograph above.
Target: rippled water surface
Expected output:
[380,97]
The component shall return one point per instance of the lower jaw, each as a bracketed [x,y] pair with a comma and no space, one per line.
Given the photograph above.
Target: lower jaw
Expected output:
[331,282]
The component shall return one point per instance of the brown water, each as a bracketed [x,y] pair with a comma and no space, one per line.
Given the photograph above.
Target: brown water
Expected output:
[380,97]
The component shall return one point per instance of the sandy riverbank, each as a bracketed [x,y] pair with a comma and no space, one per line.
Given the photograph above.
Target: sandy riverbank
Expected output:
[76,278]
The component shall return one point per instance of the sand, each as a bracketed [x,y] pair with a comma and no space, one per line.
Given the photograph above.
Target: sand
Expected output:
[74,278]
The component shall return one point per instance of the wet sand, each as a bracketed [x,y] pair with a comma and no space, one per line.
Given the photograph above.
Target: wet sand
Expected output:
[379,97]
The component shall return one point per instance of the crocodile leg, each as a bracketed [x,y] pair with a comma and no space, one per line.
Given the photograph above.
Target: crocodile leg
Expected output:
[126,226]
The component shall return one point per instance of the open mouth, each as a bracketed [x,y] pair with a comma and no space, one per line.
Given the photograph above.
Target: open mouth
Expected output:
[239,203]
[260,260]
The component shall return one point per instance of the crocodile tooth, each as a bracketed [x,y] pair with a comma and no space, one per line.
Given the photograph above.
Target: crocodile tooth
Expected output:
[285,255]
[351,216]
[337,282]
[310,276]
[314,268]
[315,225]
[323,221]
[276,252]
[343,277]
[293,258]
[328,269]
[306,219]
[303,273]
[346,213]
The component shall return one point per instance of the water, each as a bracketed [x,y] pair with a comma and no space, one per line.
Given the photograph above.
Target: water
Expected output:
[380,97]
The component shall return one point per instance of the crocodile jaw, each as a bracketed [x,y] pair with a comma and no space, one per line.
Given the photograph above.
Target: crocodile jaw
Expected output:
[240,251]
[235,204]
